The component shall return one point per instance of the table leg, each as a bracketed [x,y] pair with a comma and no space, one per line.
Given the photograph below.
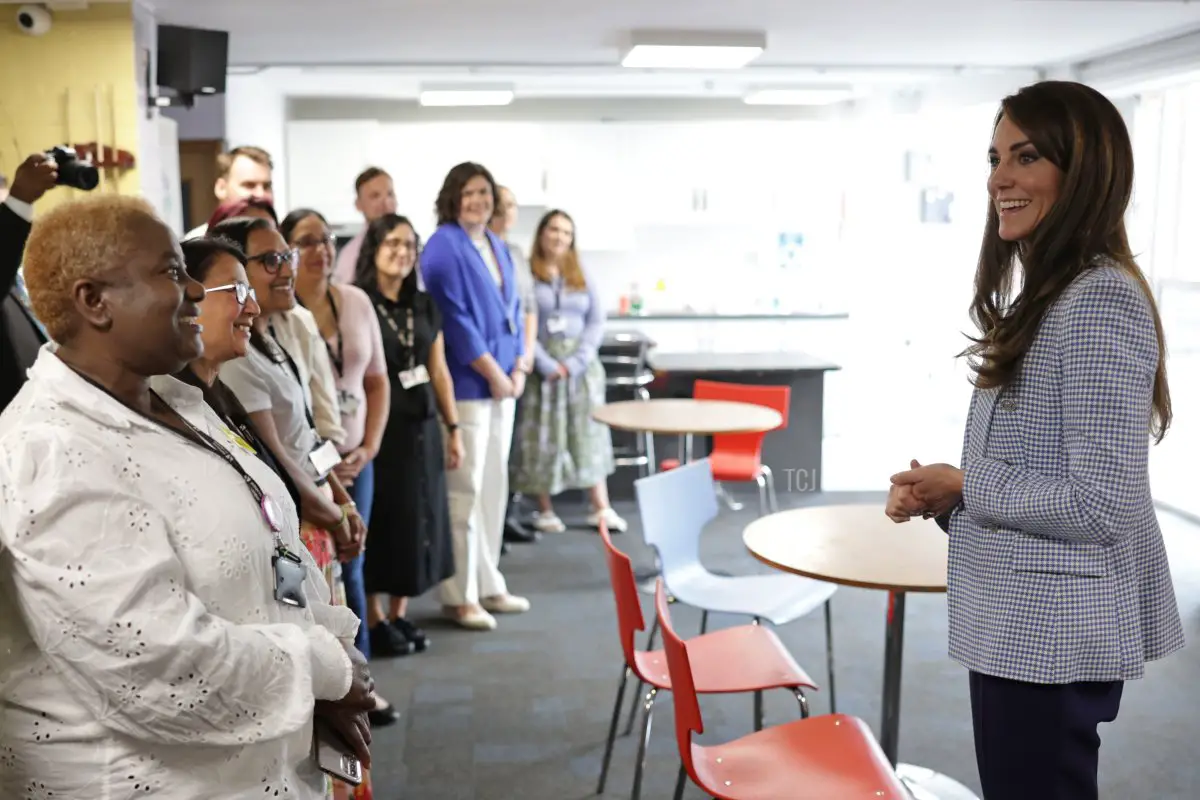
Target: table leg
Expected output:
[922,783]
[893,657]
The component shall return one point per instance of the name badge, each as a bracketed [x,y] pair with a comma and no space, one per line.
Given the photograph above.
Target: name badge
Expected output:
[324,458]
[556,324]
[414,377]
[237,441]
[348,403]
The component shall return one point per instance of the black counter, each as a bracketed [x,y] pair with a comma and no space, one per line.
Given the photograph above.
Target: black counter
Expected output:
[690,316]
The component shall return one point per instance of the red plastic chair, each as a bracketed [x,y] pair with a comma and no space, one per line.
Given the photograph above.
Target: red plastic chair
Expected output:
[743,659]
[738,456]
[817,758]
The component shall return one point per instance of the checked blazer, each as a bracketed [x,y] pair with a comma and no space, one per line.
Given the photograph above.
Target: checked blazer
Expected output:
[1057,568]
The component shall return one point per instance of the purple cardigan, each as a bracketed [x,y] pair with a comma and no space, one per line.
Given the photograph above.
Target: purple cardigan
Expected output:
[582,316]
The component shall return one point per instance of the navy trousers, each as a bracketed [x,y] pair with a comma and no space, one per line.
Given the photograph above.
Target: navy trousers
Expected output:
[362,491]
[1038,741]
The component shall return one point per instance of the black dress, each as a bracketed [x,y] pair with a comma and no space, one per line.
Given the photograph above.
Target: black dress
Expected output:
[409,549]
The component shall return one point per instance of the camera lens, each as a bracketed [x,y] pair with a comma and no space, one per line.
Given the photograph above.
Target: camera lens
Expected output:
[78,176]
[25,20]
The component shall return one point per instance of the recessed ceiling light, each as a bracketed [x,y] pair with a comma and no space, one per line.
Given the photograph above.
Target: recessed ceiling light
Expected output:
[692,50]
[811,96]
[491,96]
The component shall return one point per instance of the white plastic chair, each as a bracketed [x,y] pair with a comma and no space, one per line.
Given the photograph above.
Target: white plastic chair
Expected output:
[674,507]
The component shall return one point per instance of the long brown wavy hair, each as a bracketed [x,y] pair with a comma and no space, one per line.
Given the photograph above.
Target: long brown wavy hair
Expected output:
[1083,134]
[572,273]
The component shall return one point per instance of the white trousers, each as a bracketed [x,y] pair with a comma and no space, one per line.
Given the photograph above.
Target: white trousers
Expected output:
[478,492]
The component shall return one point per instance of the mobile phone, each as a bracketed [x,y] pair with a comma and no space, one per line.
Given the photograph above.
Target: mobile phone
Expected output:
[334,756]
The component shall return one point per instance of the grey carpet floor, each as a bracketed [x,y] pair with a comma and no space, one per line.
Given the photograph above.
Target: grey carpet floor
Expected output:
[521,713]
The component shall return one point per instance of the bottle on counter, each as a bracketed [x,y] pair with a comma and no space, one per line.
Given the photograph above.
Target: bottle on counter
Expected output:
[623,304]
[635,299]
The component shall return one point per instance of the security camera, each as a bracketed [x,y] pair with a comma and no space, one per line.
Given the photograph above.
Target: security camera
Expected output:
[33,20]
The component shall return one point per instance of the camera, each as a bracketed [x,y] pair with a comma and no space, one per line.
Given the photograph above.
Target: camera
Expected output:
[33,20]
[73,172]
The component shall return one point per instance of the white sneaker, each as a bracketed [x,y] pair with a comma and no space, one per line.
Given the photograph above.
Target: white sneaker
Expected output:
[505,604]
[548,522]
[611,519]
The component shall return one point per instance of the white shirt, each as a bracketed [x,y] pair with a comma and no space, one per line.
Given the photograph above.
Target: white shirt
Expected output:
[485,251]
[142,651]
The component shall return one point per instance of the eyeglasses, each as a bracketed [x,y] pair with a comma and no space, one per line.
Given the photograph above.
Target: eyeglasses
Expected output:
[273,261]
[308,243]
[241,291]
[398,244]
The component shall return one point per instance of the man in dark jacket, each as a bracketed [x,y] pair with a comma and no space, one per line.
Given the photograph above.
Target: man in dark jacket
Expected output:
[20,335]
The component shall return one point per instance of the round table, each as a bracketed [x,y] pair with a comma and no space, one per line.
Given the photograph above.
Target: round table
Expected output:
[685,417]
[856,545]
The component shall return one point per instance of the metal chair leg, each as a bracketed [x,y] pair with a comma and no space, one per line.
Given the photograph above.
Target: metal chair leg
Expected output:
[641,684]
[762,495]
[803,703]
[612,729]
[772,499]
[651,463]
[681,781]
[703,622]
[727,498]
[758,710]
[829,656]
[640,767]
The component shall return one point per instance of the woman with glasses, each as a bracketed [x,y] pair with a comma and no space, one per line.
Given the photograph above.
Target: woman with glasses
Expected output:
[227,316]
[351,338]
[411,548]
[270,385]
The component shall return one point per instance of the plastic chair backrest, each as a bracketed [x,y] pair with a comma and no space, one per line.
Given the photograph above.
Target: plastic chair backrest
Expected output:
[683,689]
[777,398]
[625,592]
[674,507]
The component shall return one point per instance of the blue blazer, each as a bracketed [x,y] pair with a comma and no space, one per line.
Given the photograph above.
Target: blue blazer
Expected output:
[477,316]
[1057,569]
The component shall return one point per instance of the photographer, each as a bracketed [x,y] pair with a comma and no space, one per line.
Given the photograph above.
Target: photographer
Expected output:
[22,337]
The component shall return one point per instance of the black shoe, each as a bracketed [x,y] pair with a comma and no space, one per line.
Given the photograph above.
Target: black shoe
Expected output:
[517,533]
[412,633]
[382,717]
[388,642]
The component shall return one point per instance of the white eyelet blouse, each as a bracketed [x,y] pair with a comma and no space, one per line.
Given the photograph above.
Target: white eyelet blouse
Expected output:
[142,651]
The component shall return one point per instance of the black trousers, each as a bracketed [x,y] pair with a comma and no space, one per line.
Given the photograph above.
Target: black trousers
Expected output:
[1037,741]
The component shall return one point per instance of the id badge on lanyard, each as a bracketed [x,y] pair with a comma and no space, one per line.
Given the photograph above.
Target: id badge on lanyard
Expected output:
[323,459]
[416,376]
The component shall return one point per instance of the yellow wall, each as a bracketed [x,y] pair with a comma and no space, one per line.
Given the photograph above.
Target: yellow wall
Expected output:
[50,85]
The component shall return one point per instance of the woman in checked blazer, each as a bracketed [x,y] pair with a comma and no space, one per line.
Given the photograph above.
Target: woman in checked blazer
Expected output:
[1059,587]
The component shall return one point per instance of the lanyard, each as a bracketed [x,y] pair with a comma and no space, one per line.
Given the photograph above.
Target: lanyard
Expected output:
[198,438]
[282,356]
[337,358]
[405,337]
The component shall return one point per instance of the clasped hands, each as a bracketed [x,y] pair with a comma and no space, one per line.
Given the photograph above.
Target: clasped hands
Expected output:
[927,491]
[348,716]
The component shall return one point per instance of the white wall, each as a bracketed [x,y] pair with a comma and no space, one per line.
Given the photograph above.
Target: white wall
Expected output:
[256,114]
[203,121]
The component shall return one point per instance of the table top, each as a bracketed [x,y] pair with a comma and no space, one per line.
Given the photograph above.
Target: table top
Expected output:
[853,545]
[685,415]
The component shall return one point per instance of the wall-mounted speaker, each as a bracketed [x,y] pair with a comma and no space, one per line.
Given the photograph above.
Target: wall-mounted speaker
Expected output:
[191,61]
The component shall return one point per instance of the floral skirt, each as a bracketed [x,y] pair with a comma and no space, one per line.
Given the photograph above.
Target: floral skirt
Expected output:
[321,545]
[559,445]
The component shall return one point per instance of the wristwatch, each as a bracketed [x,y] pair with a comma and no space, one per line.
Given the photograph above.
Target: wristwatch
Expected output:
[452,427]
